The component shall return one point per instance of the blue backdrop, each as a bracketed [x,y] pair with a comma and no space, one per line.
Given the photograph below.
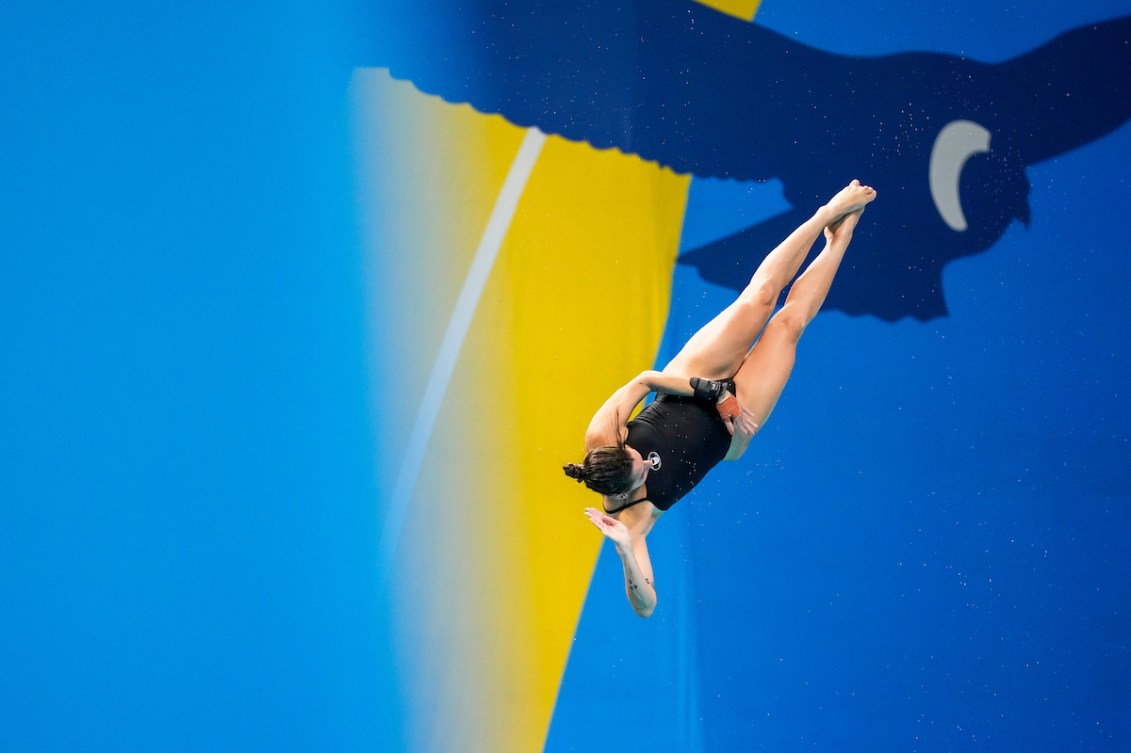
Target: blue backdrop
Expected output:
[924,550]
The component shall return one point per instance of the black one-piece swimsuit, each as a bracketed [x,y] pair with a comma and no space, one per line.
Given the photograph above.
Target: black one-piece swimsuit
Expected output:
[684,438]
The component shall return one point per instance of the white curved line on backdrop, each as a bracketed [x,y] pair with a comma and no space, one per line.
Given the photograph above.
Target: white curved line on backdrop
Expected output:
[956,143]
[468,300]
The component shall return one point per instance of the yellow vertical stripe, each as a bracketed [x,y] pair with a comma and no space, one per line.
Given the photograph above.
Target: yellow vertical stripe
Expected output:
[496,556]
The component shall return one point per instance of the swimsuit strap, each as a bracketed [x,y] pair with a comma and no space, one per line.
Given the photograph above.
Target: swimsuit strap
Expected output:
[625,507]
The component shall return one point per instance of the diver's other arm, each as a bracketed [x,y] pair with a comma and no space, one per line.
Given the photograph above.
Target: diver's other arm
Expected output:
[633,553]
[608,424]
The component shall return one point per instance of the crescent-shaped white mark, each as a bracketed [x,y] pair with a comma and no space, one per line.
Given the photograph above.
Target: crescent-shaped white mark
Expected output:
[957,142]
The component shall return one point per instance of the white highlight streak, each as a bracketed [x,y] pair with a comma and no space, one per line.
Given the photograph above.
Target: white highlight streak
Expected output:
[450,346]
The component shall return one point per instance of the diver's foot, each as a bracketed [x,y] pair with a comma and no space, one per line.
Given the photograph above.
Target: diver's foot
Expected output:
[842,228]
[849,199]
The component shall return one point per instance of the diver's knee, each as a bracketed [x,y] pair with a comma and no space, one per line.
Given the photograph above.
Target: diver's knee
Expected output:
[761,294]
[791,321]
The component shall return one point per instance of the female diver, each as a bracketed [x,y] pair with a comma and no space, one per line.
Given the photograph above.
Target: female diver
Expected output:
[642,467]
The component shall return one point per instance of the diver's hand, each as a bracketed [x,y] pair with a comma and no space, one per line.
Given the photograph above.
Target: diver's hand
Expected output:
[745,424]
[728,409]
[612,528]
[736,416]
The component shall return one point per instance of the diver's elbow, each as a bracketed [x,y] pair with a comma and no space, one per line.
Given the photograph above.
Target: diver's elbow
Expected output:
[644,611]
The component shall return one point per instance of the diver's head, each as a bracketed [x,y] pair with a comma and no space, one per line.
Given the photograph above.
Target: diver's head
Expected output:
[609,470]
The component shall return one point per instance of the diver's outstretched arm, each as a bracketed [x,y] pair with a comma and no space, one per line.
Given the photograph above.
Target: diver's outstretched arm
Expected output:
[633,553]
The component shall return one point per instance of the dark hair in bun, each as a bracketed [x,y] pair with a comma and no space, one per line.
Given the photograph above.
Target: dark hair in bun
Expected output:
[606,470]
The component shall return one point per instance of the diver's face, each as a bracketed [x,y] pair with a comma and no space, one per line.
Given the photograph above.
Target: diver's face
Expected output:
[640,468]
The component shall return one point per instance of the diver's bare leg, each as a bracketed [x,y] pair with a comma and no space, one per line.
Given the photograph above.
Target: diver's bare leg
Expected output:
[717,350]
[763,374]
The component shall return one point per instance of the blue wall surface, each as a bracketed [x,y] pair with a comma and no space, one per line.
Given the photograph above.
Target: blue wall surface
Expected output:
[925,549]
[186,553]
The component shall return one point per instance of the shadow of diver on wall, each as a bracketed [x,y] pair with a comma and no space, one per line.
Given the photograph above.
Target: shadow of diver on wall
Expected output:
[947,139]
